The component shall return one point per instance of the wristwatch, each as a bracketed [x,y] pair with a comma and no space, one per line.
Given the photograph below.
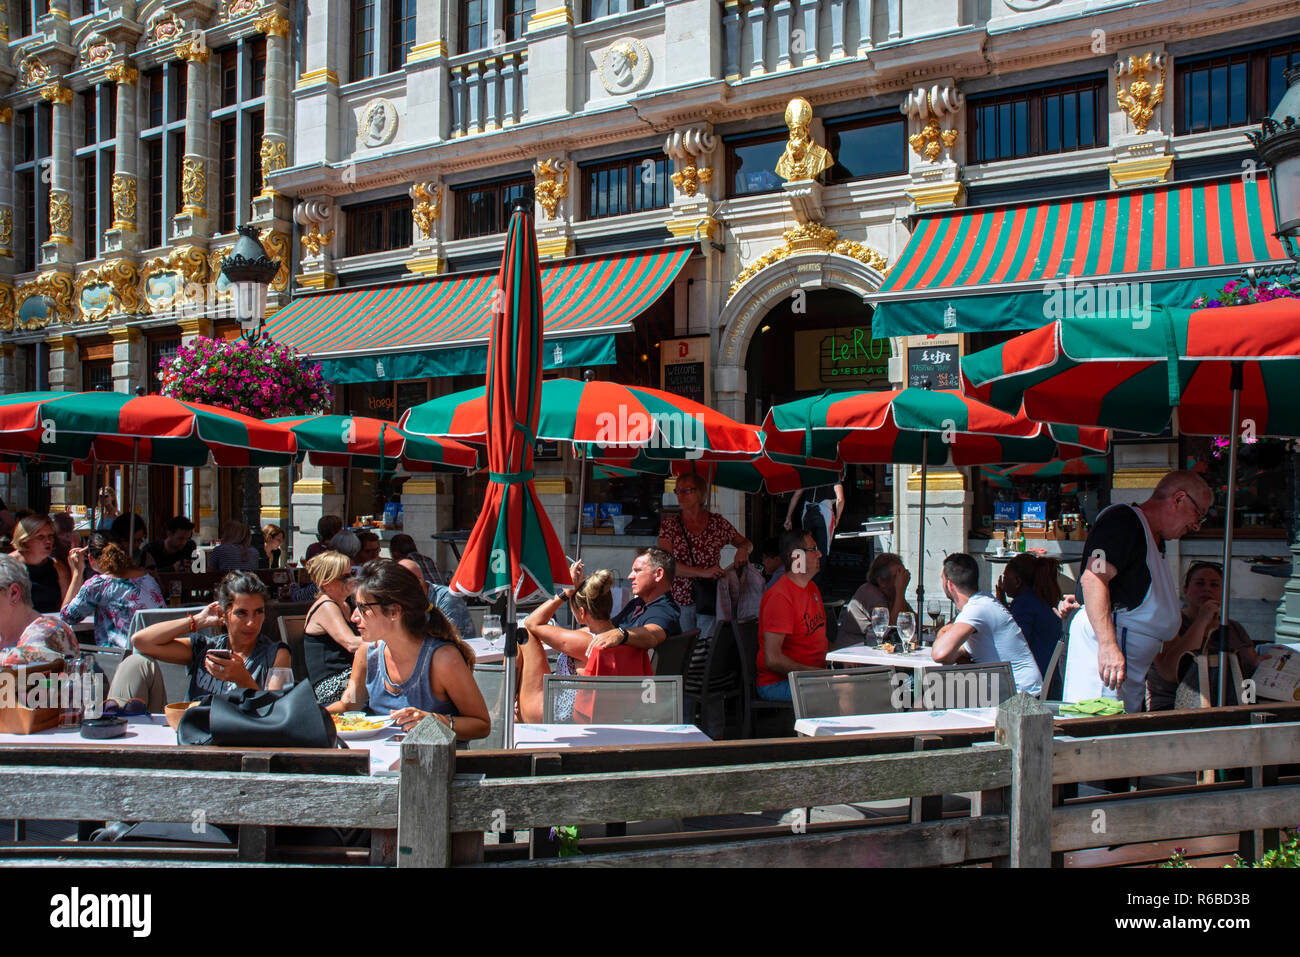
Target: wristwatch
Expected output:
[451,722]
[623,631]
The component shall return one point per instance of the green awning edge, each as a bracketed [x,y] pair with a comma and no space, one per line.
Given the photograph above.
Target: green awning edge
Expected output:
[574,351]
[1018,312]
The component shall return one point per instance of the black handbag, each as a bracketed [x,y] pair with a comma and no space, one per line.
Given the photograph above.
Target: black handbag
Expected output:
[703,590]
[260,719]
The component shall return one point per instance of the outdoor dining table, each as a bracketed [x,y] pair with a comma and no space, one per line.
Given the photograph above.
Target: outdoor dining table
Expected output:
[533,737]
[899,722]
[919,660]
[141,729]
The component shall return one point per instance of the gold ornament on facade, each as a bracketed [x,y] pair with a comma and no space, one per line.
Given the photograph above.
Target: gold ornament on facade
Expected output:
[313,241]
[194,185]
[60,217]
[165,28]
[689,178]
[56,287]
[6,232]
[234,9]
[7,310]
[803,158]
[188,262]
[53,93]
[192,50]
[810,238]
[124,200]
[1140,100]
[273,25]
[118,286]
[932,140]
[426,209]
[33,72]
[6,114]
[276,245]
[552,179]
[275,156]
[215,255]
[122,73]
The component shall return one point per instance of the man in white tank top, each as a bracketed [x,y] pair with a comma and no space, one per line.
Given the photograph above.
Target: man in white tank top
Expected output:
[1130,601]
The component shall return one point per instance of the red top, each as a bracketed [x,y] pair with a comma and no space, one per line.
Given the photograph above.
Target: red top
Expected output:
[707,548]
[797,613]
[621,660]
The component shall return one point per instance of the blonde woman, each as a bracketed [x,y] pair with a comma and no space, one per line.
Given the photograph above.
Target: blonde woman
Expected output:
[34,543]
[330,639]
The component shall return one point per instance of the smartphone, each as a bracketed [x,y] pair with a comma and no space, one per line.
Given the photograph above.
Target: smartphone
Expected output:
[221,654]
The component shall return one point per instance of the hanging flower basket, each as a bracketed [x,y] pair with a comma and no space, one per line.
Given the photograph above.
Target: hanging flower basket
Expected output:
[265,380]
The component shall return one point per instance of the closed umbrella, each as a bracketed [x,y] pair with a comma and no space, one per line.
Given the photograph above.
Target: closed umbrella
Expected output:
[513,548]
[1134,373]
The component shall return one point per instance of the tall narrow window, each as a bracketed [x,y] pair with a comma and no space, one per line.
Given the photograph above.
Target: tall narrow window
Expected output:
[256,128]
[230,76]
[157,213]
[401,32]
[89,206]
[177,149]
[31,157]
[90,117]
[362,39]
[25,250]
[154,88]
[474,32]
[518,13]
[238,127]
[256,47]
[227,144]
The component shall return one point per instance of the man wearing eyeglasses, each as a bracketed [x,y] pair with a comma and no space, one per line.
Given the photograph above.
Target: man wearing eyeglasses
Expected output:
[1130,601]
[791,620]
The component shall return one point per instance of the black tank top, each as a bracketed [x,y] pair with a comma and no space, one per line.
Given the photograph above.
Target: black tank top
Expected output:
[46,597]
[324,656]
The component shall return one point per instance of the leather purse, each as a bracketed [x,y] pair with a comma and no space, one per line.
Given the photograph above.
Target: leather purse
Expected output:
[260,719]
[703,590]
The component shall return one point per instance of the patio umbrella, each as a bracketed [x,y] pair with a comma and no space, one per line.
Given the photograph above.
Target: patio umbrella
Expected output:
[513,548]
[114,427]
[1084,465]
[374,444]
[1133,373]
[759,475]
[915,426]
[604,420]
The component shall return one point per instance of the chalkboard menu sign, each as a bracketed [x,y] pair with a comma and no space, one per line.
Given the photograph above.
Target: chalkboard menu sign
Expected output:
[545,450]
[939,365]
[684,367]
[410,394]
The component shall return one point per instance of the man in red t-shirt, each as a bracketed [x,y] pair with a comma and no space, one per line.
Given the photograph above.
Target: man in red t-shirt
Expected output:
[791,620]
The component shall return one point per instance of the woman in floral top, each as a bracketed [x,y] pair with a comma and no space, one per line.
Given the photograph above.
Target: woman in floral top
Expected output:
[27,637]
[709,534]
[114,595]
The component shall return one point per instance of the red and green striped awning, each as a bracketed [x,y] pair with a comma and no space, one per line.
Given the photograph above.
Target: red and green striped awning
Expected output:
[434,327]
[1007,267]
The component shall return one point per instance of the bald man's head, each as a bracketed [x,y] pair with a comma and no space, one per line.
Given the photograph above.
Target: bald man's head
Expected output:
[1183,481]
[1179,505]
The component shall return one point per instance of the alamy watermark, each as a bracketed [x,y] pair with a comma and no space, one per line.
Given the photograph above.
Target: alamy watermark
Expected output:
[655,430]
[44,690]
[1122,300]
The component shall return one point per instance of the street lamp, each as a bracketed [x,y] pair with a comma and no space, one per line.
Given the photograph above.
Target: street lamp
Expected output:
[250,271]
[1278,145]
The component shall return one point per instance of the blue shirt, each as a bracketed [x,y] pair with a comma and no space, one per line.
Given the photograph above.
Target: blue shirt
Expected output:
[1039,625]
[415,692]
[454,607]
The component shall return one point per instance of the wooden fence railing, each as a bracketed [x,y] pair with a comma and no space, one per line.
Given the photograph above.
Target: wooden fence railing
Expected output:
[1027,814]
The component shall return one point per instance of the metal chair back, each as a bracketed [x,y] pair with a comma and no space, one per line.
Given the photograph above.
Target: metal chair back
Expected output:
[612,699]
[835,694]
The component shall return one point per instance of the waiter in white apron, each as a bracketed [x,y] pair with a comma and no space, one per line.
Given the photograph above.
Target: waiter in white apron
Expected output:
[1130,602]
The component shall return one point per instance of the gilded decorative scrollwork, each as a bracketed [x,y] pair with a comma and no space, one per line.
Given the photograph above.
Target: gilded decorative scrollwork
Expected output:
[53,93]
[111,289]
[124,201]
[313,240]
[234,9]
[194,185]
[6,232]
[275,156]
[8,312]
[193,50]
[56,287]
[426,208]
[689,178]
[60,216]
[6,114]
[1141,98]
[276,245]
[122,73]
[811,238]
[273,25]
[552,184]
[927,106]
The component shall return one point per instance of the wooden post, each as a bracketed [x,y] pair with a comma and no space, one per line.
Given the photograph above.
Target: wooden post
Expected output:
[926,807]
[424,796]
[254,841]
[1025,725]
[1252,844]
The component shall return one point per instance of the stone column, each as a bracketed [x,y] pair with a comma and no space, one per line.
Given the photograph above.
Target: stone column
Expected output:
[122,238]
[128,359]
[314,495]
[550,52]
[319,132]
[59,250]
[274,148]
[6,194]
[193,223]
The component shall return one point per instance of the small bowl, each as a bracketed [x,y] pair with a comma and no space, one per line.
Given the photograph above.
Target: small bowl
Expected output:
[100,728]
[174,711]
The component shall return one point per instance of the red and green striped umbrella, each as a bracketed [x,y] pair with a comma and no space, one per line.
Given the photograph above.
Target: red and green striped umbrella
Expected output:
[636,419]
[761,474]
[1084,465]
[513,547]
[121,428]
[1127,372]
[375,444]
[1230,369]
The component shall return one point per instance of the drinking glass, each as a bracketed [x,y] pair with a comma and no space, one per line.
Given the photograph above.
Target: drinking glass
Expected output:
[935,611]
[880,622]
[68,688]
[492,630]
[907,629]
[278,679]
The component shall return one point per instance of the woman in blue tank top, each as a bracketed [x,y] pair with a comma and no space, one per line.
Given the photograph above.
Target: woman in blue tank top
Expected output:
[412,664]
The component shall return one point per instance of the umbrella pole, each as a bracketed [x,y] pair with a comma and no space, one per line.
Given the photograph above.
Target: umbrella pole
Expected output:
[1233,437]
[511,660]
[135,459]
[920,568]
[94,492]
[582,494]
[288,536]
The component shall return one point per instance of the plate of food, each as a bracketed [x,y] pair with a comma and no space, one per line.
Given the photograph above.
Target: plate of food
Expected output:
[354,725]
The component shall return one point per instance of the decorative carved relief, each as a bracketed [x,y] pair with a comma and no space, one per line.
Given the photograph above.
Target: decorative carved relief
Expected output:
[552,183]
[313,240]
[234,9]
[124,201]
[803,158]
[53,93]
[426,208]
[165,28]
[273,25]
[193,50]
[276,245]
[6,232]
[688,147]
[111,289]
[56,287]
[33,72]
[624,65]
[122,73]
[8,311]
[1140,100]
[928,106]
[194,185]
[60,216]
[275,156]
[95,49]
[377,122]
[811,238]
[164,278]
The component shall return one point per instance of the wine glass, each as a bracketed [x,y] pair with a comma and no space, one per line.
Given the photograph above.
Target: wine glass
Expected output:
[907,629]
[279,679]
[880,622]
[491,630]
[935,611]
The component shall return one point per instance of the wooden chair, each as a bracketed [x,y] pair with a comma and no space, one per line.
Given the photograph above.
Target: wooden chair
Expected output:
[746,638]
[614,700]
[291,633]
[834,694]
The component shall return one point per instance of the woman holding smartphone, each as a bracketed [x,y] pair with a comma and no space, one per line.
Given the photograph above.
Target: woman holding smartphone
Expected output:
[223,644]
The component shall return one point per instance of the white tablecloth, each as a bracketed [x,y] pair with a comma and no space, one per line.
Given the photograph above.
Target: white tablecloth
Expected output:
[866,655]
[900,722]
[543,736]
[140,730]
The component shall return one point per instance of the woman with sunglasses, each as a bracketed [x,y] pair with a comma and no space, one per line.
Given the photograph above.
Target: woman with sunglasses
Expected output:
[413,664]
[1203,594]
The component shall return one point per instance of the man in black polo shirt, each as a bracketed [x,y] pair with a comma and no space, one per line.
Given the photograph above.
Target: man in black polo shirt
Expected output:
[652,616]
[174,552]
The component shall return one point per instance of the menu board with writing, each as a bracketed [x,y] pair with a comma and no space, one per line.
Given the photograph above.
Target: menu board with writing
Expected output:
[410,394]
[684,367]
[938,365]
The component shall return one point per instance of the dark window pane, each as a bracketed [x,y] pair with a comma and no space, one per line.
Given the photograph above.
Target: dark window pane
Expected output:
[518,13]
[1020,123]
[874,148]
[363,39]
[1052,124]
[156,211]
[112,110]
[90,236]
[229,158]
[256,66]
[180,91]
[1087,119]
[377,227]
[1004,129]
[753,164]
[229,76]
[155,94]
[90,125]
[256,127]
[473,25]
[401,32]
[1219,96]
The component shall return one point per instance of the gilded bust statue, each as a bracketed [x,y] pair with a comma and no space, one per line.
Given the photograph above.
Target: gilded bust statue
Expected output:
[802,159]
